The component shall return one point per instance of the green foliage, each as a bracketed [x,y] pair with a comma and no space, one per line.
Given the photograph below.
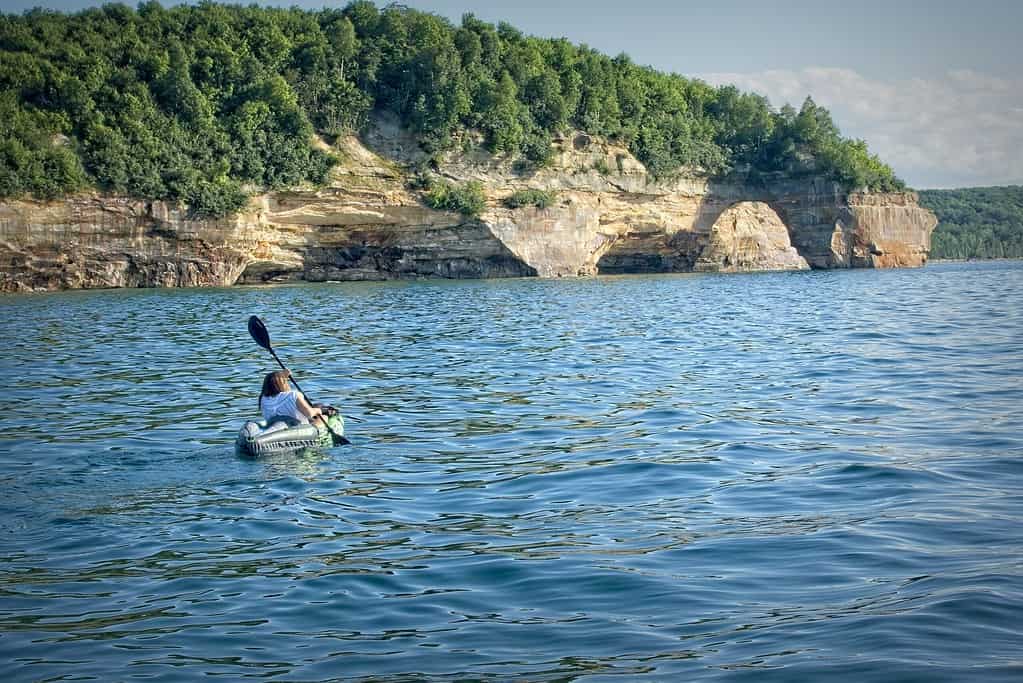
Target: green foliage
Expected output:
[195,102]
[537,151]
[808,142]
[977,222]
[33,158]
[541,199]
[467,199]
[337,108]
[217,198]
[188,103]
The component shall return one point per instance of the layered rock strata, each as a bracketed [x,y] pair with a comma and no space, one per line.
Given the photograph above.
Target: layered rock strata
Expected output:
[608,216]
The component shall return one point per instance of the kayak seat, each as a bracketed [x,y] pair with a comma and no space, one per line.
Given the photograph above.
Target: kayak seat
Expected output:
[286,419]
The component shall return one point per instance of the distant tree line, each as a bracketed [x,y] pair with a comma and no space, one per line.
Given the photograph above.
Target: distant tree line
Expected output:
[976,222]
[207,103]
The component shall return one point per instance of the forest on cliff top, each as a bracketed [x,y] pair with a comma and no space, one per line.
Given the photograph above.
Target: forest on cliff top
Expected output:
[206,103]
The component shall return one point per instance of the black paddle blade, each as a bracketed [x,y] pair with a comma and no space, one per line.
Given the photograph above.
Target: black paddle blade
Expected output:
[259,332]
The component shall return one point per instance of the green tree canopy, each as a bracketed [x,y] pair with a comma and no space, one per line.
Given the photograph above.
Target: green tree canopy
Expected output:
[198,102]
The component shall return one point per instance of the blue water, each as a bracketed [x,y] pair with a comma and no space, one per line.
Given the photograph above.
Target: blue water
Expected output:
[770,477]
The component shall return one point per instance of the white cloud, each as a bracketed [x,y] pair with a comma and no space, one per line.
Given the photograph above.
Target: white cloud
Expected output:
[961,129]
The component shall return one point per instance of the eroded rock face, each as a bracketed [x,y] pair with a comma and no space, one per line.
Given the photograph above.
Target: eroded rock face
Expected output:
[609,216]
[889,231]
[831,229]
[91,241]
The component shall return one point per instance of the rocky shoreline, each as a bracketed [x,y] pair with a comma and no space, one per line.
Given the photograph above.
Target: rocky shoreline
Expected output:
[608,216]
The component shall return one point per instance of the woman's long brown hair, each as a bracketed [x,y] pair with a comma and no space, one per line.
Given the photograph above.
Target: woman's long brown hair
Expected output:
[274,383]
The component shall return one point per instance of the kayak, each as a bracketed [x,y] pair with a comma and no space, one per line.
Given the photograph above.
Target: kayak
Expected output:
[278,436]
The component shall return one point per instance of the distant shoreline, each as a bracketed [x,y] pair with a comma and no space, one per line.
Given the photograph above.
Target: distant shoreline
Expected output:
[972,260]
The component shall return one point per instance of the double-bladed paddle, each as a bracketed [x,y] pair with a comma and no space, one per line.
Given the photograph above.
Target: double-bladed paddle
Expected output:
[262,336]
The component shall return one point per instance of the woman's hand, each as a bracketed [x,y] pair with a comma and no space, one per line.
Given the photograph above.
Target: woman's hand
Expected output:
[326,410]
[309,411]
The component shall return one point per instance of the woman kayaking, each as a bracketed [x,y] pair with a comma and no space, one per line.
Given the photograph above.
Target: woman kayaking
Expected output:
[304,425]
[278,399]
[290,423]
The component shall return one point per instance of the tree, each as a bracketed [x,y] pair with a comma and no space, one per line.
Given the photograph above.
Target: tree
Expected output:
[502,126]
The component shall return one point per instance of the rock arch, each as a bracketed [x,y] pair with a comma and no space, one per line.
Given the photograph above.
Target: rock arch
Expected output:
[749,236]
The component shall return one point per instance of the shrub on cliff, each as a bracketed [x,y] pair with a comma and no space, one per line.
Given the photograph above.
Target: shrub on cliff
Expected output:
[467,199]
[214,199]
[541,199]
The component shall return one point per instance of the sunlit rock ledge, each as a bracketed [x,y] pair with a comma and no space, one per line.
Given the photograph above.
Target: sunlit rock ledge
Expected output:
[608,216]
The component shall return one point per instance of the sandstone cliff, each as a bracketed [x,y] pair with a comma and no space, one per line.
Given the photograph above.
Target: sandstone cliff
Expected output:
[609,216]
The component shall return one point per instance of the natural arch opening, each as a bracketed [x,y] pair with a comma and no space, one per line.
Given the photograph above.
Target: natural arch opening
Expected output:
[749,236]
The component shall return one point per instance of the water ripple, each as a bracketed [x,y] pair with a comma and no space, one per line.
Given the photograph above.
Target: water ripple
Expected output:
[774,477]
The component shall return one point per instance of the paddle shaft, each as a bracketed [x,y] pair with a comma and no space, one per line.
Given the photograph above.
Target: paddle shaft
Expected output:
[292,377]
[295,382]
[341,439]
[262,337]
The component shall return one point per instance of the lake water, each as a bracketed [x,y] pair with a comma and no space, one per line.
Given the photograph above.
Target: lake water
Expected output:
[764,477]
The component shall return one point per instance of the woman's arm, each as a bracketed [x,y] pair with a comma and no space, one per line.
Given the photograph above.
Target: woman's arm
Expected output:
[303,407]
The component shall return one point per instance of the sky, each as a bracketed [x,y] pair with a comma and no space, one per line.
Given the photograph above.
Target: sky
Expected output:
[934,86]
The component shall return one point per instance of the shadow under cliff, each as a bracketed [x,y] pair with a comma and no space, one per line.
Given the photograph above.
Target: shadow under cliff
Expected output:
[342,253]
